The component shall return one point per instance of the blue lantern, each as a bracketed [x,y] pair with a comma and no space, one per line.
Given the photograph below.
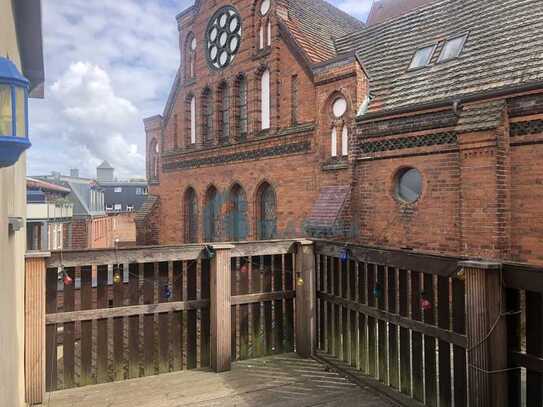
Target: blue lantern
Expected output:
[14,89]
[345,255]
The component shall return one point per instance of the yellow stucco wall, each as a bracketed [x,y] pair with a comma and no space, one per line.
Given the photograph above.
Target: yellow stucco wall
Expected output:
[12,250]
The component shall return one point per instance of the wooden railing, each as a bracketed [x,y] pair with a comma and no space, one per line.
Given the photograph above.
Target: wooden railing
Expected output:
[395,321]
[119,314]
[524,307]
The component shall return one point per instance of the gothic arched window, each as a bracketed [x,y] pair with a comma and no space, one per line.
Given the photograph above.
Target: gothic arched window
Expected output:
[153,160]
[264,26]
[190,56]
[224,112]
[267,212]
[190,120]
[237,214]
[265,100]
[191,216]
[207,116]
[212,215]
[241,109]
[339,127]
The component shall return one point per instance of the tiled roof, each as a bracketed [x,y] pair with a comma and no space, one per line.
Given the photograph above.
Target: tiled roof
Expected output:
[504,50]
[327,208]
[315,24]
[45,185]
[383,10]
[479,117]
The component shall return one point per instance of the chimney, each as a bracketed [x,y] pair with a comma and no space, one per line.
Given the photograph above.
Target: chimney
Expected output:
[74,173]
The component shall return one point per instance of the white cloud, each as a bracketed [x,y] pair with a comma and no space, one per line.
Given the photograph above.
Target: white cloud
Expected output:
[358,8]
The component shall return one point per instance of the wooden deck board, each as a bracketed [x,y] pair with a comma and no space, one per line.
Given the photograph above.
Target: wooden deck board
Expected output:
[284,380]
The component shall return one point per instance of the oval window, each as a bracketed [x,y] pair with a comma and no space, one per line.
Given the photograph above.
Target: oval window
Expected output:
[409,185]
[265,7]
[339,107]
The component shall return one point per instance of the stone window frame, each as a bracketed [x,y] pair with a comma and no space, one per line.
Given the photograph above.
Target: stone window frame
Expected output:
[214,235]
[241,122]
[340,129]
[190,223]
[154,160]
[190,127]
[261,188]
[259,117]
[394,189]
[190,56]
[236,190]
[223,111]
[207,115]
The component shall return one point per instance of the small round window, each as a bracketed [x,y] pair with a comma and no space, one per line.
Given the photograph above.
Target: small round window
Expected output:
[265,7]
[339,107]
[409,185]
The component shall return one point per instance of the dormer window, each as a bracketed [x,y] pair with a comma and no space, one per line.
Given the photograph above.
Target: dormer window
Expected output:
[452,48]
[422,57]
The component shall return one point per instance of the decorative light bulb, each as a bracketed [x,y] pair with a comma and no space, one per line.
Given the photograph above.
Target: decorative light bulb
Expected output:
[425,304]
[68,280]
[461,275]
[345,255]
[117,278]
[166,292]
[300,281]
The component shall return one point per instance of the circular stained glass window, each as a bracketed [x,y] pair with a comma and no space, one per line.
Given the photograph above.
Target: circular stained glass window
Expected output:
[339,107]
[265,7]
[223,37]
[409,185]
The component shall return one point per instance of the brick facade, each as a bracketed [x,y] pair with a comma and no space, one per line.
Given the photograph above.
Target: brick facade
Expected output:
[477,153]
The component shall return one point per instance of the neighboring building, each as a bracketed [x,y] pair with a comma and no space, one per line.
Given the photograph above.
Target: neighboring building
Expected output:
[120,196]
[90,228]
[423,130]
[21,40]
[49,216]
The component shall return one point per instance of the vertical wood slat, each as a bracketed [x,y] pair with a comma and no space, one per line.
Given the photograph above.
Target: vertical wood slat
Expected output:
[102,345]
[134,322]
[393,329]
[35,343]
[373,289]
[244,311]
[177,317]
[288,268]
[534,347]
[430,371]
[257,335]
[345,325]
[149,320]
[205,334]
[163,320]
[487,353]
[362,322]
[330,307]
[87,376]
[405,345]
[234,267]
[514,342]
[51,331]
[268,307]
[382,326]
[305,299]
[444,356]
[278,305]
[221,304]
[192,316]
[416,338]
[459,354]
[118,330]
[68,334]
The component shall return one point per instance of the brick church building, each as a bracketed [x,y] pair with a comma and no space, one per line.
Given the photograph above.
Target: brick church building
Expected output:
[420,129]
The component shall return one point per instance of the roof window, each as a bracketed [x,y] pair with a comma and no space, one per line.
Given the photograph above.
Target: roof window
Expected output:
[452,48]
[422,57]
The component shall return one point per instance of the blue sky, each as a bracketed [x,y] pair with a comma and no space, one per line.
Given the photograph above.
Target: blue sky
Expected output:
[108,65]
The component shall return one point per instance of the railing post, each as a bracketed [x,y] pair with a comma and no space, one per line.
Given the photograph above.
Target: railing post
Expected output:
[486,333]
[221,302]
[305,298]
[35,270]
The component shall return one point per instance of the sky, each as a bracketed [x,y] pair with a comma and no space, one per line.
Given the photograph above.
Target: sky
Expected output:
[108,65]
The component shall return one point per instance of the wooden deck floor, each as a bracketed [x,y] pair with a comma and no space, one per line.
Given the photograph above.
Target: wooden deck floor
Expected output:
[285,381]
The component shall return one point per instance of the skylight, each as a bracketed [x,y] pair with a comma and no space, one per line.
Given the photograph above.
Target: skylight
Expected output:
[422,57]
[452,48]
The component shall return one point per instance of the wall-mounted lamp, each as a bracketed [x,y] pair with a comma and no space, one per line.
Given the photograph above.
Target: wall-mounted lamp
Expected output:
[15,224]
[13,113]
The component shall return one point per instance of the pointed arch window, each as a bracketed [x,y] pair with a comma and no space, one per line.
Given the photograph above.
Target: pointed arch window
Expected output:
[267,212]
[153,160]
[265,100]
[212,216]
[191,216]
[237,214]
[190,120]
[265,26]
[207,117]
[224,114]
[190,56]
[241,109]
[339,128]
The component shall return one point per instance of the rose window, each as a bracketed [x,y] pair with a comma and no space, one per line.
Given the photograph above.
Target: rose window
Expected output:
[223,37]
